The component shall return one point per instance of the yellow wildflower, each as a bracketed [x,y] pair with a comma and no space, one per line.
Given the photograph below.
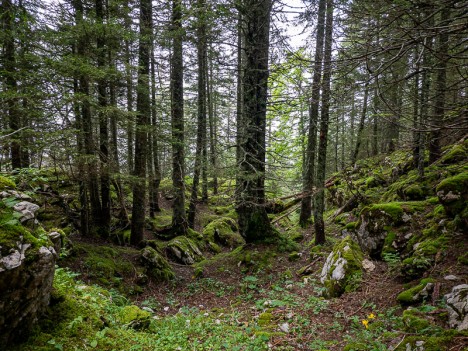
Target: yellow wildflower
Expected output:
[371,316]
[365,322]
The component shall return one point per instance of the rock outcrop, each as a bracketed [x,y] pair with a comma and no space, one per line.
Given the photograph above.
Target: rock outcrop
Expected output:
[26,276]
[156,265]
[457,307]
[342,268]
[184,250]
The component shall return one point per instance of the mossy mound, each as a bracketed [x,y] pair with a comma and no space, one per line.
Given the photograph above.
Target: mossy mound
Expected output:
[159,222]
[378,221]
[106,265]
[422,251]
[6,183]
[453,194]
[134,317]
[184,250]
[457,153]
[415,321]
[417,293]
[223,231]
[156,265]
[342,268]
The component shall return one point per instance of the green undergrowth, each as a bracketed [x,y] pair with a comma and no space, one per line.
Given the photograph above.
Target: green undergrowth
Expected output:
[106,265]
[84,317]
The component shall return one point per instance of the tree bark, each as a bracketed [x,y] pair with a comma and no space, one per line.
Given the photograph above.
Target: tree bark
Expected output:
[179,220]
[309,173]
[200,152]
[105,215]
[361,123]
[324,120]
[440,87]
[254,224]
[143,108]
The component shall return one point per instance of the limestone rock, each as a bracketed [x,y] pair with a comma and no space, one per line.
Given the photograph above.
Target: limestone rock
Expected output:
[184,250]
[457,307]
[374,222]
[368,265]
[156,265]
[453,194]
[15,194]
[25,287]
[341,267]
[26,209]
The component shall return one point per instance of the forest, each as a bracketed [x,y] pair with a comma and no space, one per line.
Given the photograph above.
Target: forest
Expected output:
[234,175]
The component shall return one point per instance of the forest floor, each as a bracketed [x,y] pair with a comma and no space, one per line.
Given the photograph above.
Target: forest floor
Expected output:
[266,297]
[275,302]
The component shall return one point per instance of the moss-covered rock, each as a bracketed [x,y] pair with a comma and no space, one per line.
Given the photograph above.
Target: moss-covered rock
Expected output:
[417,293]
[414,321]
[223,231]
[453,194]
[342,267]
[455,154]
[376,222]
[6,183]
[414,192]
[27,265]
[134,317]
[184,250]
[423,250]
[156,265]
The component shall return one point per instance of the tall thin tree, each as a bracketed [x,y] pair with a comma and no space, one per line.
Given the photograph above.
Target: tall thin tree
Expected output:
[142,121]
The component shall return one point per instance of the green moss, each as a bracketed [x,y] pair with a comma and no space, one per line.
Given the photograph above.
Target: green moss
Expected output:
[411,296]
[294,256]
[457,183]
[414,321]
[463,259]
[157,266]
[453,193]
[414,192]
[222,210]
[456,154]
[388,243]
[161,221]
[351,226]
[184,250]
[295,234]
[431,343]
[351,252]
[265,319]
[356,346]
[134,317]
[223,231]
[394,210]
[6,183]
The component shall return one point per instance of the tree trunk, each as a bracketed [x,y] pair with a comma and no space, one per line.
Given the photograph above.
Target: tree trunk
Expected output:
[425,90]
[309,173]
[200,151]
[105,216]
[440,87]
[129,90]
[179,220]
[91,172]
[153,164]
[253,220]
[212,122]
[11,84]
[143,108]
[322,149]
[361,123]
